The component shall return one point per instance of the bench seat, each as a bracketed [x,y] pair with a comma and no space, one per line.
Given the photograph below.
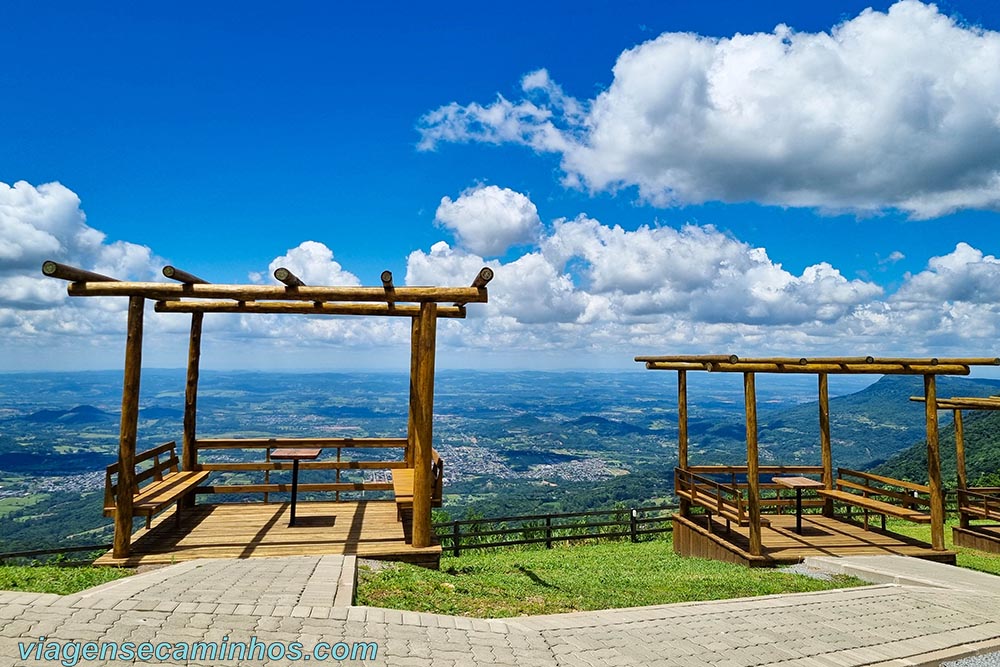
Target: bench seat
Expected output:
[154,497]
[156,486]
[875,505]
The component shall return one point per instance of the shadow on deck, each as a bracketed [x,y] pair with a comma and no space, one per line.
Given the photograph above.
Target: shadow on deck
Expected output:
[258,530]
[821,536]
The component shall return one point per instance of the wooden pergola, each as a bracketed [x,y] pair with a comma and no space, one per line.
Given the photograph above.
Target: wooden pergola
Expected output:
[822,368]
[974,503]
[191,294]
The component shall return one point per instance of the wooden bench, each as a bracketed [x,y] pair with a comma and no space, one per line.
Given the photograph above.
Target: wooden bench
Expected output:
[402,485]
[165,484]
[862,489]
[979,503]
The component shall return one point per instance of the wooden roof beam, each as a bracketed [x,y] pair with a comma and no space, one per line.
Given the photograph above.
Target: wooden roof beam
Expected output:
[963,402]
[833,365]
[283,275]
[160,291]
[689,358]
[483,278]
[303,308]
[174,273]
[841,368]
[73,274]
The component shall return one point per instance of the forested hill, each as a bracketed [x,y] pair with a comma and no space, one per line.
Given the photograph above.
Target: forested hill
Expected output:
[982,453]
[867,427]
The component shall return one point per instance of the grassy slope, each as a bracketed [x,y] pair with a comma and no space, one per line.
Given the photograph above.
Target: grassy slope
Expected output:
[52,579]
[505,583]
[970,558]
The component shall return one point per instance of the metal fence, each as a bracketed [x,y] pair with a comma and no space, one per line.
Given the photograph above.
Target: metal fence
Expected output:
[619,523]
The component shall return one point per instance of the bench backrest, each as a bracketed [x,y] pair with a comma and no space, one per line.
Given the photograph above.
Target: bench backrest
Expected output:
[896,491]
[150,467]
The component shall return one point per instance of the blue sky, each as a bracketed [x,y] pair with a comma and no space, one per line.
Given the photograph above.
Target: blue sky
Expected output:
[222,136]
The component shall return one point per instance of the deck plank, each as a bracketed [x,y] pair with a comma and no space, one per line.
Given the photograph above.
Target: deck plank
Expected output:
[253,530]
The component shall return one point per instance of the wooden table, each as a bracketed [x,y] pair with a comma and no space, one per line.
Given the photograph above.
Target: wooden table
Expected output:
[295,455]
[798,483]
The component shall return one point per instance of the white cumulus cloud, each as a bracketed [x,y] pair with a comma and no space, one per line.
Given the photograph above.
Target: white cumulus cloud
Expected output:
[582,287]
[888,110]
[965,274]
[313,262]
[488,220]
[46,222]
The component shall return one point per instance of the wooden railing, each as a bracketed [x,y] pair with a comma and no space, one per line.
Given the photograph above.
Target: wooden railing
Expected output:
[725,500]
[980,502]
[266,466]
[770,498]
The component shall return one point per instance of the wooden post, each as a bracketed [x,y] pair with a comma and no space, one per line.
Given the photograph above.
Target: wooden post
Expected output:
[753,474]
[423,426]
[682,433]
[129,429]
[826,450]
[934,463]
[189,453]
[963,481]
[414,363]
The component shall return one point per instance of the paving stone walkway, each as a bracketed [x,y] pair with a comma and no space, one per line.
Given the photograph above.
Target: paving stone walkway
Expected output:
[307,600]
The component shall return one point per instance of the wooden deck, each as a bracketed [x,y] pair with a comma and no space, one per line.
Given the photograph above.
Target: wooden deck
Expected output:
[821,536]
[985,537]
[259,530]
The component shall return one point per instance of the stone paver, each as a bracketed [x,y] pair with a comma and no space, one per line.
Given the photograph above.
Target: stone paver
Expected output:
[301,599]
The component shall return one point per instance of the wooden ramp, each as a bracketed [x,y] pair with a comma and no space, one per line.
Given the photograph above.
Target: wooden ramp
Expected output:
[821,536]
[983,537]
[257,530]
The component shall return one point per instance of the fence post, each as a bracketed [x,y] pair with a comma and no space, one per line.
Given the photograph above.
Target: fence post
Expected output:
[455,537]
[632,524]
[548,532]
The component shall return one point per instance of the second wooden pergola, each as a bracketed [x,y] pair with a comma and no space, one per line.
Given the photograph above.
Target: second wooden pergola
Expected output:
[929,368]
[974,502]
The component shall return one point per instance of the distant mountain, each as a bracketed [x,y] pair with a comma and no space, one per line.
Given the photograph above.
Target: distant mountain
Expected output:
[867,427]
[982,453]
[81,414]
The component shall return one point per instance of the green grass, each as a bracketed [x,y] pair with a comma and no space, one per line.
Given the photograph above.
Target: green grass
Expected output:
[501,583]
[970,558]
[53,579]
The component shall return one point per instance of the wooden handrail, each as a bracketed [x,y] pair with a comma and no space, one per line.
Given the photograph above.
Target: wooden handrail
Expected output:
[266,443]
[303,465]
[764,470]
